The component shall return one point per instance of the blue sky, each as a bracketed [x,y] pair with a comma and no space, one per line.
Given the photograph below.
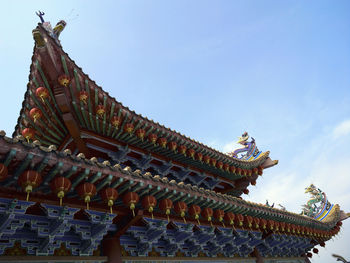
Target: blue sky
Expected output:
[211,70]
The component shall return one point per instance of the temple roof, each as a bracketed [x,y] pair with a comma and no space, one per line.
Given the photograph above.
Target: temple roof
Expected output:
[74,111]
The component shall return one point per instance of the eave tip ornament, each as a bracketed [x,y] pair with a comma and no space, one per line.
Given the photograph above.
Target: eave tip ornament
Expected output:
[249,151]
[319,208]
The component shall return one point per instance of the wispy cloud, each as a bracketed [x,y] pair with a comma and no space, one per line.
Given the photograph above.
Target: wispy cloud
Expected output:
[342,129]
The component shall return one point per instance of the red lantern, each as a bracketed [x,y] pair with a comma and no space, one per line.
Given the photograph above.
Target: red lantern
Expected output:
[42,93]
[60,186]
[248,221]
[249,172]
[86,191]
[130,199]
[29,180]
[208,214]
[256,221]
[219,215]
[195,211]
[213,161]
[239,219]
[253,182]
[232,169]
[315,250]
[149,202]
[199,156]
[263,223]
[219,165]
[166,205]
[63,80]
[255,170]
[128,128]
[109,194]
[191,153]
[238,171]
[140,133]
[172,146]
[246,191]
[182,149]
[270,224]
[162,142]
[83,96]
[28,133]
[230,217]
[181,209]
[116,121]
[100,110]
[152,138]
[309,255]
[35,114]
[3,172]
[260,170]
[322,244]
[206,159]
[226,167]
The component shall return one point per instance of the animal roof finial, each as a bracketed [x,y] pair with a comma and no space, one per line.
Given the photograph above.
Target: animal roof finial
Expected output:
[40,14]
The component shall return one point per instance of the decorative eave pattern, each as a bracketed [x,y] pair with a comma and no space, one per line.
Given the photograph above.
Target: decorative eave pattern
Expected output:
[95,110]
[19,155]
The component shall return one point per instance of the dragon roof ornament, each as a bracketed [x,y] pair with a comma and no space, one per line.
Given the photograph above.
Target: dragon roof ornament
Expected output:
[249,151]
[319,208]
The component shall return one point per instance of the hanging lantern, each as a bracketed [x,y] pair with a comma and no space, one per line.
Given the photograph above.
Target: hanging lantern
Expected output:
[322,244]
[152,138]
[130,199]
[270,224]
[172,146]
[208,214]
[86,191]
[253,182]
[182,149]
[239,219]
[64,80]
[256,222]
[260,170]
[246,191]
[191,153]
[28,133]
[219,215]
[149,202]
[219,165]
[116,121]
[283,226]
[128,128]
[140,133]
[42,93]
[249,172]
[162,142]
[60,186]
[206,159]
[195,211]
[109,195]
[181,209]
[232,169]
[226,167]
[309,255]
[255,170]
[248,220]
[230,217]
[199,156]
[263,223]
[29,180]
[100,110]
[3,172]
[213,161]
[83,96]
[238,171]
[35,114]
[166,205]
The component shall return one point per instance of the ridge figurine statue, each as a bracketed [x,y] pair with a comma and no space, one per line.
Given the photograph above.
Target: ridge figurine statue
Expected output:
[318,207]
[249,150]
[55,32]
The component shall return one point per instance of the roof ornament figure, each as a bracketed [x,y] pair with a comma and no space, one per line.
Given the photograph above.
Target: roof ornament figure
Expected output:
[56,31]
[249,150]
[268,205]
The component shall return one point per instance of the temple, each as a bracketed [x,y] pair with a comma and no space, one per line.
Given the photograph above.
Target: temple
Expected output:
[86,179]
